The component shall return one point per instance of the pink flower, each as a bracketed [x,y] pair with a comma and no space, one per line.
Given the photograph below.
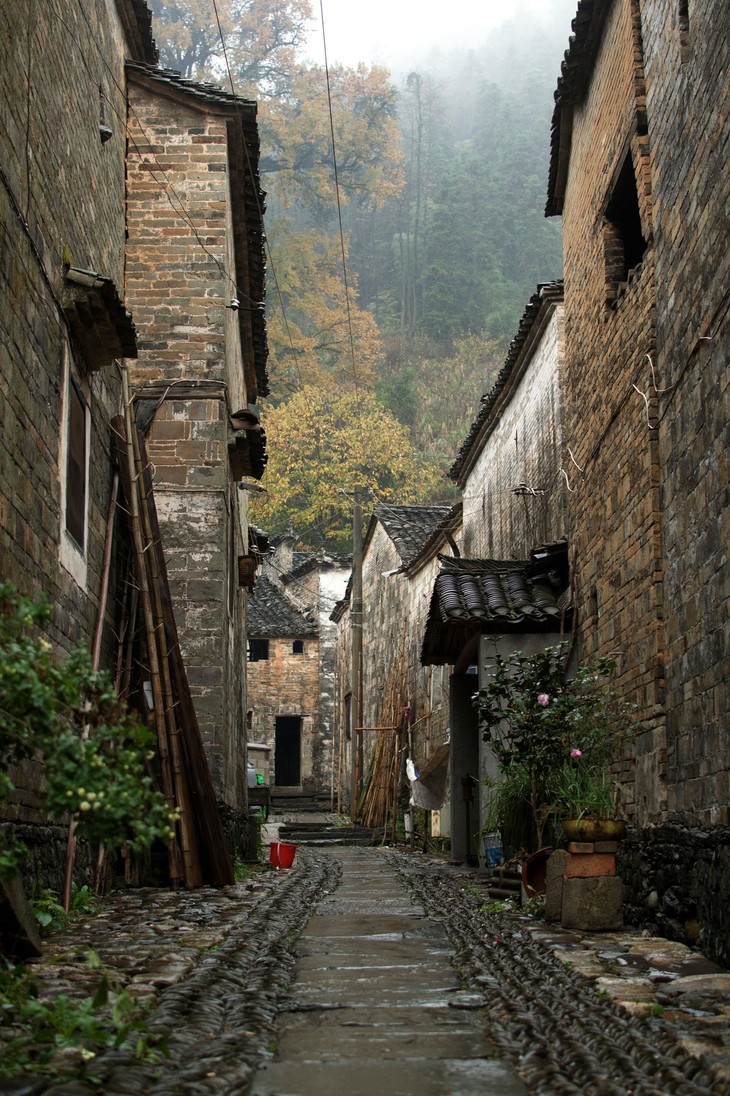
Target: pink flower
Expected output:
[575,752]
[543,700]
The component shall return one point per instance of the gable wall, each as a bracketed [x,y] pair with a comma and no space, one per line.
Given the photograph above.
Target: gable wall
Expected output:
[523,447]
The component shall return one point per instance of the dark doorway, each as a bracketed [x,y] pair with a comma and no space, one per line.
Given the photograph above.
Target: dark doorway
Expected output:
[288,748]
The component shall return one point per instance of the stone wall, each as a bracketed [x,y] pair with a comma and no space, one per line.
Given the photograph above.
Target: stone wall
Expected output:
[522,446]
[287,684]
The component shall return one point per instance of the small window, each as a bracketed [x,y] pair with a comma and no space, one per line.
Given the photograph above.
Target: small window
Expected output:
[258,650]
[684,28]
[76,465]
[298,647]
[624,239]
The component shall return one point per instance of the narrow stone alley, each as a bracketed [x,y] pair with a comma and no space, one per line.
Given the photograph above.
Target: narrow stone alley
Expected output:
[363,969]
[376,1005]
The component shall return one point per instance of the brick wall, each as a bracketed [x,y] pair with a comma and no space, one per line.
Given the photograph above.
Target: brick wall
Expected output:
[180,248]
[286,684]
[688,101]
[614,526]
[61,203]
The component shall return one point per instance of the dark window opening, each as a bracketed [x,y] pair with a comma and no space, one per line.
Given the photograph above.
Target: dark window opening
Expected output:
[76,465]
[298,647]
[683,23]
[625,243]
[258,650]
[249,719]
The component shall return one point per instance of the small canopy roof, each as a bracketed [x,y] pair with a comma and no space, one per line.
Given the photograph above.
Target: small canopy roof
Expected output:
[473,597]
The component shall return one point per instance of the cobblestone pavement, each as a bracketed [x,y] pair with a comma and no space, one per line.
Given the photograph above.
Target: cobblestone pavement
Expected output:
[600,1014]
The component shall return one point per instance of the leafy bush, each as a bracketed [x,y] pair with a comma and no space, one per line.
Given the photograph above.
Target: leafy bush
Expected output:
[68,714]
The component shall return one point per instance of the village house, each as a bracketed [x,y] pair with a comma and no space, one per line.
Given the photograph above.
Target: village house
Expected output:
[512,586]
[400,699]
[291,670]
[64,319]
[638,171]
[195,281]
[125,190]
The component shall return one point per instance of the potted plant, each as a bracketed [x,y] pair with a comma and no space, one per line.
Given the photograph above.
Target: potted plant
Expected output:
[588,800]
[540,720]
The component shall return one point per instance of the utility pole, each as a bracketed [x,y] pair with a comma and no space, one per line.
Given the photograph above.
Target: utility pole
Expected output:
[356,652]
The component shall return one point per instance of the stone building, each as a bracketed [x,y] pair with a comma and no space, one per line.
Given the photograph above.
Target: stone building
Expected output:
[124,189]
[63,313]
[511,589]
[638,172]
[291,668]
[195,280]
[400,561]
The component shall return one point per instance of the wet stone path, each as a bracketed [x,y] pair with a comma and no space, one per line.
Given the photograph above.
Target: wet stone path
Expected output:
[376,1004]
[363,970]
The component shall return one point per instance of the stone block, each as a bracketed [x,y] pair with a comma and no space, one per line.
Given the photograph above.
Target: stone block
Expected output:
[593,905]
[581,848]
[554,885]
[606,846]
[587,866]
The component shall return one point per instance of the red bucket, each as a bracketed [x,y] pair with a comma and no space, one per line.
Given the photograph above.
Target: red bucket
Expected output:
[281,854]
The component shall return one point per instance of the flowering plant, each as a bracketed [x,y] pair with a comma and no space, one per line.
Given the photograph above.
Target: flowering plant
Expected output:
[553,734]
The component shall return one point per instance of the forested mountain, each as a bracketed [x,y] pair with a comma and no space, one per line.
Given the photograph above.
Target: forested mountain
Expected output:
[442,176]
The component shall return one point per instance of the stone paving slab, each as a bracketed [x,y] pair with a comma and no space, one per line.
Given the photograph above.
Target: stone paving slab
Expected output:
[369,1011]
[413,1077]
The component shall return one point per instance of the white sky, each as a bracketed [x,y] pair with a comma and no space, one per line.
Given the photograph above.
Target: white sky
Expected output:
[390,32]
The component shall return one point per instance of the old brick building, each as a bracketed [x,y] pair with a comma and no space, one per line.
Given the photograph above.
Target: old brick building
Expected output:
[63,311]
[124,188]
[639,173]
[511,589]
[195,280]
[291,668]
[400,561]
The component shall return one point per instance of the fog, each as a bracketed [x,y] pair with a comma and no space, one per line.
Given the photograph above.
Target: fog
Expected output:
[395,33]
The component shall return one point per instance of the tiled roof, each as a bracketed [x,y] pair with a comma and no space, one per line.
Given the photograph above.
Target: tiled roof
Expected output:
[575,73]
[271,614]
[409,527]
[486,596]
[547,292]
[136,19]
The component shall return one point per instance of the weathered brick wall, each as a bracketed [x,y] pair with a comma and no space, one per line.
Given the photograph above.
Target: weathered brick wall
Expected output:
[61,203]
[288,684]
[394,620]
[688,103]
[180,247]
[650,513]
[614,527]
[524,446]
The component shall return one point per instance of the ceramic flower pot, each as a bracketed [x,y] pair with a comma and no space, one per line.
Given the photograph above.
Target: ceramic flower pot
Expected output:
[594,829]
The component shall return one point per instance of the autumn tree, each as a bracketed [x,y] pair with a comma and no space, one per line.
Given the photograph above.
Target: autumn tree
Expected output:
[313,337]
[322,444]
[262,40]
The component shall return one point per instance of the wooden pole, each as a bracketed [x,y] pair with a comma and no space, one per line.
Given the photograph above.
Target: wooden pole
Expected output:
[147,611]
[356,650]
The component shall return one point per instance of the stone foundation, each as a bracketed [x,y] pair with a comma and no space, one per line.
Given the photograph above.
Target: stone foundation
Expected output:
[44,866]
[241,832]
[677,881]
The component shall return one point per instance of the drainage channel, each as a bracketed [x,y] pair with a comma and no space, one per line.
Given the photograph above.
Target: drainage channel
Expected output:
[562,1038]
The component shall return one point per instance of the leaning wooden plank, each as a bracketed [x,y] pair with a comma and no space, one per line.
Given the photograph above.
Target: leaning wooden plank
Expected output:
[215,861]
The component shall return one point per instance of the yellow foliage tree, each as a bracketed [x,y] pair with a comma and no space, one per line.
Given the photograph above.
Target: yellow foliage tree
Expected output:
[321,446]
